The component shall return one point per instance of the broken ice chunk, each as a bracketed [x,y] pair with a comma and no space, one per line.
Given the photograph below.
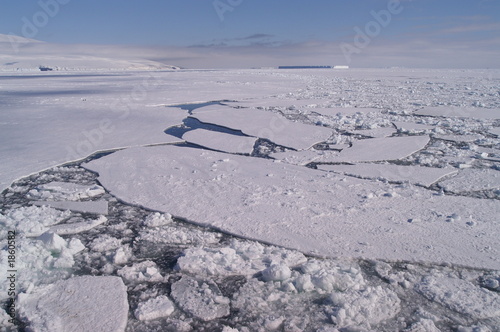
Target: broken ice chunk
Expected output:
[200,298]
[154,308]
[65,191]
[97,207]
[77,304]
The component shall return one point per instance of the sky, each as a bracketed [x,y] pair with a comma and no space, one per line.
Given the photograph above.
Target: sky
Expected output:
[255,33]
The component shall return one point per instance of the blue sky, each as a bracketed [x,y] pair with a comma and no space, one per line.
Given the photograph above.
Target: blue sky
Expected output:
[270,32]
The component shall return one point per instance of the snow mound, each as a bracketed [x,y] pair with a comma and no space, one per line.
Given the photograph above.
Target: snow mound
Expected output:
[200,298]
[77,304]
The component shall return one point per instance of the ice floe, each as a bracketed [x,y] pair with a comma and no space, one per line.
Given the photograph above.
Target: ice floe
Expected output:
[154,308]
[65,191]
[380,149]
[97,207]
[344,111]
[463,112]
[201,298]
[472,179]
[305,157]
[375,133]
[425,176]
[78,304]
[461,296]
[265,124]
[303,208]
[78,226]
[220,141]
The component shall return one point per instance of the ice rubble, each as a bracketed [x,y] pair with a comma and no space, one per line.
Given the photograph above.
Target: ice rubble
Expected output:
[411,126]
[305,157]
[264,124]
[425,176]
[472,112]
[220,141]
[303,208]
[78,304]
[344,111]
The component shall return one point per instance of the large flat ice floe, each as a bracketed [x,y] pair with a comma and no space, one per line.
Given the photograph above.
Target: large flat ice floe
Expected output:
[380,149]
[303,208]
[264,124]
[77,304]
[425,176]
[220,141]
[461,112]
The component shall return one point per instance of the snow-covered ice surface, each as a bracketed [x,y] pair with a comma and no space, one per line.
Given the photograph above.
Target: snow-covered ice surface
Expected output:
[425,176]
[264,124]
[220,141]
[303,208]
[381,243]
[78,304]
[467,112]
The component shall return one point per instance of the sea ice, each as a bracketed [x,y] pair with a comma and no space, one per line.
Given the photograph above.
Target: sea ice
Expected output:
[302,208]
[154,308]
[240,257]
[461,296]
[77,304]
[459,138]
[265,124]
[220,141]
[200,298]
[305,157]
[380,149]
[375,133]
[412,127]
[97,207]
[425,176]
[146,271]
[32,220]
[77,227]
[363,308]
[65,191]
[267,103]
[344,111]
[472,179]
[462,112]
